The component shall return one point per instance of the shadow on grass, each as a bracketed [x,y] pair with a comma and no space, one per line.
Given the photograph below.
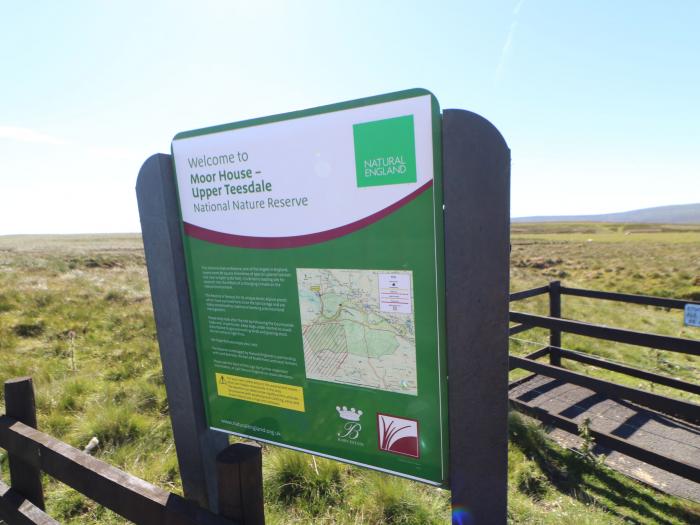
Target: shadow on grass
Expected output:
[583,480]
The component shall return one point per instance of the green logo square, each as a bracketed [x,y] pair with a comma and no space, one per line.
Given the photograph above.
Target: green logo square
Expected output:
[385,152]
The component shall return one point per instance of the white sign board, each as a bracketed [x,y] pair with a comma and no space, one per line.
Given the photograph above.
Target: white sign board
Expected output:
[692,314]
[255,181]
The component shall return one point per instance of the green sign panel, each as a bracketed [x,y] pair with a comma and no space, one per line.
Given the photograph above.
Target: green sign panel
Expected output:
[314,253]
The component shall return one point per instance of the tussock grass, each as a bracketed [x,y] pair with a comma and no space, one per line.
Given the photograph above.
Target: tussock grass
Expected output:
[305,489]
[393,500]
[113,425]
[311,484]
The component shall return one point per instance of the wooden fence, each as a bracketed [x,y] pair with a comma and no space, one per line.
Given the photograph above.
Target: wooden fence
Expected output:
[556,325]
[31,452]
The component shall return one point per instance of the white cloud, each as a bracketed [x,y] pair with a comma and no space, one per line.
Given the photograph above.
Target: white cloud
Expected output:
[516,10]
[36,137]
[28,135]
[505,50]
[115,153]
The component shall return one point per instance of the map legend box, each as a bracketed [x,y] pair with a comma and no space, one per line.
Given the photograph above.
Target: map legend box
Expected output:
[395,293]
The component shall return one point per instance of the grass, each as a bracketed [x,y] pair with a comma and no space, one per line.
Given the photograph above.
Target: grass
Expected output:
[305,489]
[75,314]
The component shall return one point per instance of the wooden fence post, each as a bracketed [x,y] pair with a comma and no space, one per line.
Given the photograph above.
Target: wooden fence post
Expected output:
[240,483]
[19,404]
[554,311]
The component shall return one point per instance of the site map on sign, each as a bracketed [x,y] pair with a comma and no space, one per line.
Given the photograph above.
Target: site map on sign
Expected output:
[358,327]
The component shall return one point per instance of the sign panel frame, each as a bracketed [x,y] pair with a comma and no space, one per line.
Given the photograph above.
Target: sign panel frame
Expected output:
[388,171]
[476,171]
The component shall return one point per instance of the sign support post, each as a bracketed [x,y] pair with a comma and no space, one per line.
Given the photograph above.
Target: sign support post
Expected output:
[476,178]
[196,445]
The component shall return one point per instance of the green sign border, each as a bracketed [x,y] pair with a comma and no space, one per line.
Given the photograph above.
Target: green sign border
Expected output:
[439,256]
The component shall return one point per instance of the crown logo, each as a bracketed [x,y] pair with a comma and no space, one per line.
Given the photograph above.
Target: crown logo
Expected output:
[349,415]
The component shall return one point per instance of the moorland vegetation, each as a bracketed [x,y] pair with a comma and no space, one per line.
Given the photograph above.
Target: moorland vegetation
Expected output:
[75,314]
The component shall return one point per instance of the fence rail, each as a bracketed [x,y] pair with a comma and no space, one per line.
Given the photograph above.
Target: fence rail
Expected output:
[631,371]
[33,452]
[526,294]
[125,494]
[674,407]
[647,300]
[620,335]
[556,325]
[15,509]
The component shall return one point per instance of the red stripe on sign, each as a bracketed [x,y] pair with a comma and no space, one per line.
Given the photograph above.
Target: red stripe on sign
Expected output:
[243,241]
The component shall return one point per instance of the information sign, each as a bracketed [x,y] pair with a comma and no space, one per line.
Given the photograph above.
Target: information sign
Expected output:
[315,260]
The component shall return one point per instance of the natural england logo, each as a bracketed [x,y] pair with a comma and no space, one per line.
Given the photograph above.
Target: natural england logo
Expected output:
[385,151]
[351,429]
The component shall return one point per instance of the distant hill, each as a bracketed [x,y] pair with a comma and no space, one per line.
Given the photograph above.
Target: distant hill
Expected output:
[679,214]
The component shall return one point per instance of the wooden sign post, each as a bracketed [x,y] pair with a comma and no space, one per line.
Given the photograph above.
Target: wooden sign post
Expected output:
[476,163]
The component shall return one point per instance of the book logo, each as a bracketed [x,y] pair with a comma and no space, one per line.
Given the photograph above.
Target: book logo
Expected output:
[398,435]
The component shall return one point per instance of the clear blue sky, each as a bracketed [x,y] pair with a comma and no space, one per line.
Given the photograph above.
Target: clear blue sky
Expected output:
[598,100]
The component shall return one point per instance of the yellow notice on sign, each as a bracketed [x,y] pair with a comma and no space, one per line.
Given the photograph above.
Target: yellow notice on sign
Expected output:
[259,391]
